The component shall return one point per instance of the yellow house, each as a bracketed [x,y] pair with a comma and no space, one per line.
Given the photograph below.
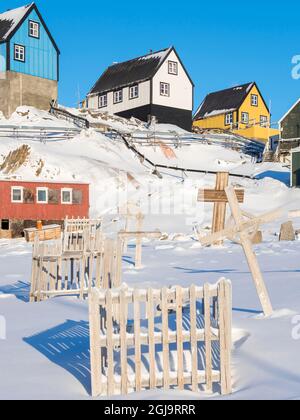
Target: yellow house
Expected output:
[241,110]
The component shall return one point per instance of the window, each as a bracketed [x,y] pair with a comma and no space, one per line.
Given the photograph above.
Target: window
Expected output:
[5,225]
[103,101]
[263,121]
[34,29]
[245,117]
[134,92]
[173,67]
[42,195]
[165,89]
[229,119]
[254,100]
[17,195]
[118,96]
[67,196]
[20,53]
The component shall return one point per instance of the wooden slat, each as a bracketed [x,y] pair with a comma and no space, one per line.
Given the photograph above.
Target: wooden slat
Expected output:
[165,332]
[137,342]
[194,341]
[95,353]
[225,337]
[179,338]
[213,196]
[150,312]
[208,347]
[110,344]
[123,332]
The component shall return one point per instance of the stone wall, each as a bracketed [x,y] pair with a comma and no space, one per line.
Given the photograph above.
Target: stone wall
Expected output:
[17,89]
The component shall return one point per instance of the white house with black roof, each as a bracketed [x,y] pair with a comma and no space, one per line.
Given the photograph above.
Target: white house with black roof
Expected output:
[156,84]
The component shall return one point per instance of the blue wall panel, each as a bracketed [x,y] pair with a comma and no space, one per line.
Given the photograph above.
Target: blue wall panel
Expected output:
[2,57]
[41,56]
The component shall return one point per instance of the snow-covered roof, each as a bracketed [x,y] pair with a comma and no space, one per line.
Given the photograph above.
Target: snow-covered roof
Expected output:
[10,20]
[223,101]
[133,71]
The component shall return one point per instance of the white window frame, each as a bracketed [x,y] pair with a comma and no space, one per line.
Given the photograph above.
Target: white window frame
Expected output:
[103,101]
[47,195]
[165,89]
[264,121]
[173,68]
[34,29]
[118,96]
[134,92]
[229,118]
[247,119]
[70,190]
[19,53]
[22,195]
[254,100]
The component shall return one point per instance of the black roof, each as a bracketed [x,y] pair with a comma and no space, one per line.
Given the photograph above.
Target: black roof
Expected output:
[223,101]
[130,72]
[11,20]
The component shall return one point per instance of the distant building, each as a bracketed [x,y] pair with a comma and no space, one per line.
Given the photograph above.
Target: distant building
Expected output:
[24,203]
[295,168]
[29,60]
[156,84]
[241,109]
[290,123]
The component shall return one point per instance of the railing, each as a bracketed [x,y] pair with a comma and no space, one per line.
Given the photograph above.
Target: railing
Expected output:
[174,339]
[66,115]
[41,134]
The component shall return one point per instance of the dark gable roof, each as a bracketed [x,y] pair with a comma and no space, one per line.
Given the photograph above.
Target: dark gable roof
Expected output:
[11,21]
[130,72]
[223,101]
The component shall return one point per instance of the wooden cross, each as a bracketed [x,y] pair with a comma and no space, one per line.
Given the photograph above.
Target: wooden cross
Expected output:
[242,231]
[219,198]
[124,236]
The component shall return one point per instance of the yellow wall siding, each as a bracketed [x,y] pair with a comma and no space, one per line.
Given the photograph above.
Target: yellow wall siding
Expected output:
[218,121]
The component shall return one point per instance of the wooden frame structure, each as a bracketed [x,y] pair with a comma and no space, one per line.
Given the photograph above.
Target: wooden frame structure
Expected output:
[242,231]
[219,198]
[185,329]
[56,272]
[124,236]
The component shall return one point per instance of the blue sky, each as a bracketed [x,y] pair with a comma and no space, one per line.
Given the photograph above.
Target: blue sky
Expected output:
[222,43]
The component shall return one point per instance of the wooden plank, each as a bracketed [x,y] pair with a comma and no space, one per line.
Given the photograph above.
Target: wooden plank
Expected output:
[137,342]
[110,344]
[95,346]
[250,255]
[215,196]
[194,341]
[139,242]
[180,370]
[123,333]
[219,213]
[165,333]
[150,312]
[208,346]
[225,337]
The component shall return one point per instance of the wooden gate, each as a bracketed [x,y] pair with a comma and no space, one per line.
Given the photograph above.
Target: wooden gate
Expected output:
[162,338]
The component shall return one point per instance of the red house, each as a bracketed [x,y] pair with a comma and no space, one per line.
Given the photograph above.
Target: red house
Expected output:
[22,204]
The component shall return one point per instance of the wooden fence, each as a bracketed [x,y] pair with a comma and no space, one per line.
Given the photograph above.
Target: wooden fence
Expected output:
[177,338]
[56,272]
[82,234]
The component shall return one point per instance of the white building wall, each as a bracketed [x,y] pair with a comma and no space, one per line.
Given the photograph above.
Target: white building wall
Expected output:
[127,104]
[181,88]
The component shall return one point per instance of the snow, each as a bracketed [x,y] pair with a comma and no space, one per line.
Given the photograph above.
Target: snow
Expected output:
[14,16]
[46,352]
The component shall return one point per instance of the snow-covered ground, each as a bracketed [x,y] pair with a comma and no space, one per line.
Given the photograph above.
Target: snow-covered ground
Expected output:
[46,350]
